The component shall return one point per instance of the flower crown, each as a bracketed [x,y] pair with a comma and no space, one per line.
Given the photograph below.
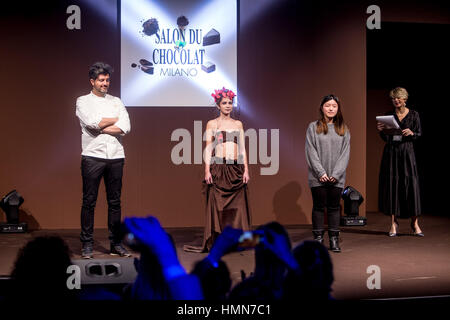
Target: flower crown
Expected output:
[223,93]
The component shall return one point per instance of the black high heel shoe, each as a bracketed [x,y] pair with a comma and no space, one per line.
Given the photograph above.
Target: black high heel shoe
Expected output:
[416,234]
[394,234]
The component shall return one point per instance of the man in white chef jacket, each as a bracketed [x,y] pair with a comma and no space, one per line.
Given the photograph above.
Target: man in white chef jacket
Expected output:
[104,121]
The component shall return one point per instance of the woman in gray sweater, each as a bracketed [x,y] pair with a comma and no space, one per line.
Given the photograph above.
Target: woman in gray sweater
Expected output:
[327,153]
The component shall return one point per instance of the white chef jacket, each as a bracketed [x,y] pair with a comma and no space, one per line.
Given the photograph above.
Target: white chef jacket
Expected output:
[90,110]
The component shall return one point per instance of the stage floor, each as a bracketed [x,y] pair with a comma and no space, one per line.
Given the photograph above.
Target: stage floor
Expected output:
[409,266]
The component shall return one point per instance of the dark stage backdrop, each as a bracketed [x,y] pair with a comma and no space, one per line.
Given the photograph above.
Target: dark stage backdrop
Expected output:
[290,54]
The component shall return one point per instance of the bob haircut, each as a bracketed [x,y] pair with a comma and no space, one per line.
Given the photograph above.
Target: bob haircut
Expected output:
[399,93]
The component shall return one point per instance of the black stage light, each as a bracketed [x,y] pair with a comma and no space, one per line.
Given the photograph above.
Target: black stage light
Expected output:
[352,200]
[10,204]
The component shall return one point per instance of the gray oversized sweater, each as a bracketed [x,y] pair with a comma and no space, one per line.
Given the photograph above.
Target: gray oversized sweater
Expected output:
[326,153]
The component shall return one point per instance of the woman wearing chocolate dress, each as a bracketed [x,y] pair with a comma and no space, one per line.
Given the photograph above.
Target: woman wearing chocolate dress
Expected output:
[226,173]
[399,193]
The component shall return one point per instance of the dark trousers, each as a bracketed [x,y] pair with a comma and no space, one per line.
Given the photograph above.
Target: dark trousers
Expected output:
[92,171]
[326,197]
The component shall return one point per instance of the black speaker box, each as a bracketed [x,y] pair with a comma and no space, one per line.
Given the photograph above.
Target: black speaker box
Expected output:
[106,271]
[353,221]
[13,227]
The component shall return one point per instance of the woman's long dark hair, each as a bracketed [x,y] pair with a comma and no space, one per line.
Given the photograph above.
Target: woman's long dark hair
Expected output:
[338,120]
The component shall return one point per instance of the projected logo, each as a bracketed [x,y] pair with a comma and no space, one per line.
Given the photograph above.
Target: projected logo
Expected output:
[185,58]
[177,60]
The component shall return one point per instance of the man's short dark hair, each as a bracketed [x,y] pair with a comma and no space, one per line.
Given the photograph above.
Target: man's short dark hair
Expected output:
[99,68]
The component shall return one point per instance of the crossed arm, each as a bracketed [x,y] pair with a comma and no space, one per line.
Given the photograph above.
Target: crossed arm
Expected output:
[119,125]
[107,126]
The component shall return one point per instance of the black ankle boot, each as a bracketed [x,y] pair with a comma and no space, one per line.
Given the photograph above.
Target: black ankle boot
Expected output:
[318,236]
[334,241]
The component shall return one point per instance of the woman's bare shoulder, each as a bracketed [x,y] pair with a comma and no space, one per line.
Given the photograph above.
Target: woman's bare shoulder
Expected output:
[211,124]
[238,124]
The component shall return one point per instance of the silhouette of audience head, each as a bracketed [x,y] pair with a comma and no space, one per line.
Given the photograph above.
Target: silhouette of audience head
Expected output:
[267,281]
[265,259]
[215,282]
[40,270]
[316,277]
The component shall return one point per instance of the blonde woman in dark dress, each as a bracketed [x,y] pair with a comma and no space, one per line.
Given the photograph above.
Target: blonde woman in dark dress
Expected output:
[399,192]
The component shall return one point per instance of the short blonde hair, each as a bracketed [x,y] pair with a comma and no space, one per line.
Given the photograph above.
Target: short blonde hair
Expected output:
[399,93]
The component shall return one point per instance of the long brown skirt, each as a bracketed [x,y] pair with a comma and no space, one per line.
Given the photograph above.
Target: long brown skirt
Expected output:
[226,203]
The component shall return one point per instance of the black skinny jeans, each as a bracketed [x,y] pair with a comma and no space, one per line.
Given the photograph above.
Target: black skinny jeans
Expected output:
[326,197]
[92,171]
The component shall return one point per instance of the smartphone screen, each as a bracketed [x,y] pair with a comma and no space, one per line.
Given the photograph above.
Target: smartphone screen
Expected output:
[249,240]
